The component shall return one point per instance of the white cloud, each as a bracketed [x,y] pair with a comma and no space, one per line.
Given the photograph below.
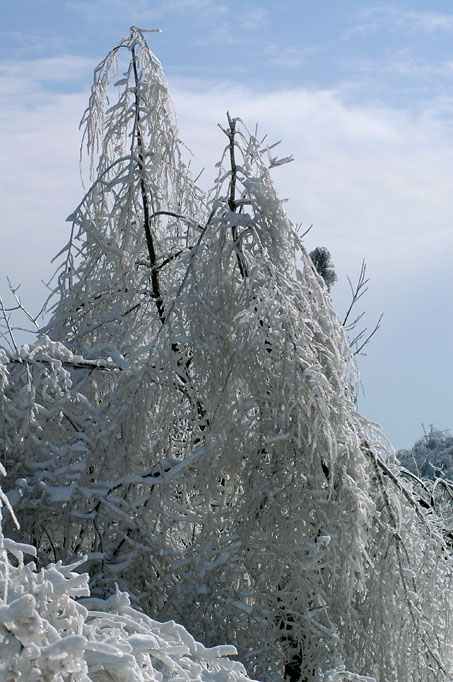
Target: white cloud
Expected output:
[255,18]
[287,56]
[112,10]
[210,21]
[203,8]
[39,180]
[403,64]
[220,22]
[34,42]
[61,69]
[375,182]
[371,20]
[370,179]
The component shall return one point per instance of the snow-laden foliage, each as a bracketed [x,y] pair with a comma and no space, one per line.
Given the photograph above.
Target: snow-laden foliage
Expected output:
[429,467]
[48,633]
[189,422]
[125,233]
[431,456]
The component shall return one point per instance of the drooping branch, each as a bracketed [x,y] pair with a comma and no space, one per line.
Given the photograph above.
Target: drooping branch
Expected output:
[184,376]
[379,463]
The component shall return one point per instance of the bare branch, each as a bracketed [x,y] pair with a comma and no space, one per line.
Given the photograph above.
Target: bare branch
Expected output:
[20,306]
[8,326]
[370,336]
[357,291]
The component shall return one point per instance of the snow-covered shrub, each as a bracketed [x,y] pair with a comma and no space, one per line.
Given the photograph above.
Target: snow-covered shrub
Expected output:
[428,465]
[46,439]
[431,456]
[48,633]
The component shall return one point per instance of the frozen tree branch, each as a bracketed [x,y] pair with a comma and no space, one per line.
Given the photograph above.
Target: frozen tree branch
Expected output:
[79,364]
[156,292]
[233,204]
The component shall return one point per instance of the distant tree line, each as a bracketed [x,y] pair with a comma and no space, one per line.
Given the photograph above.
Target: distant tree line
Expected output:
[431,456]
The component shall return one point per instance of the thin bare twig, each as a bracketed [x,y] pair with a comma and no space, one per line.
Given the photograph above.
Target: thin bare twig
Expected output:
[369,337]
[20,305]
[357,292]
[8,326]
[80,364]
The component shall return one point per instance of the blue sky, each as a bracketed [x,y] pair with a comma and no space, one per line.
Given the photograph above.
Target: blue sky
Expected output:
[360,92]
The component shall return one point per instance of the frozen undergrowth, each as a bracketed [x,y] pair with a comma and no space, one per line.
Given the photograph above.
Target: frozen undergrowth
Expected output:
[47,632]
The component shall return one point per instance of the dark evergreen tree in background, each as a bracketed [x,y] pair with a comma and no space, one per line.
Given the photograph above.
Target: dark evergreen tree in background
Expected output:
[324,266]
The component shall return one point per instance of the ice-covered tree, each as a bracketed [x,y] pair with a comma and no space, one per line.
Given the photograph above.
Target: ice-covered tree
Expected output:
[429,467]
[431,456]
[187,418]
